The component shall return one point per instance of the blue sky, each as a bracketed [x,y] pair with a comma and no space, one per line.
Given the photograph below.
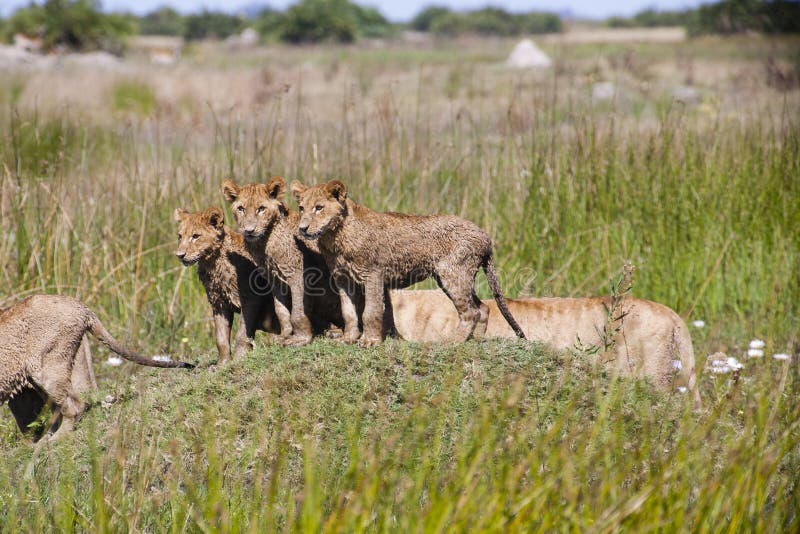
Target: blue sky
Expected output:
[401,10]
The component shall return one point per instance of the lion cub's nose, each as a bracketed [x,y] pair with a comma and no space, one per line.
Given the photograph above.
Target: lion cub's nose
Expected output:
[180,254]
[303,227]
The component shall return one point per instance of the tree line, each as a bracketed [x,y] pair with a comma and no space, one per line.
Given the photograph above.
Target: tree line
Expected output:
[82,25]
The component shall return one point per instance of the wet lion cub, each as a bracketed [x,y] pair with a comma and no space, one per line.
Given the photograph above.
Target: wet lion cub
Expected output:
[374,250]
[229,276]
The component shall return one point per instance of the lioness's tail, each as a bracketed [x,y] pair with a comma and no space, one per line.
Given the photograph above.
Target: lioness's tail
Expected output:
[494,285]
[99,331]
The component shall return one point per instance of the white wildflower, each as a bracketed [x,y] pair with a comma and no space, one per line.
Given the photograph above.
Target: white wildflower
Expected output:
[720,369]
[699,323]
[114,361]
[682,389]
[676,364]
[733,363]
[782,356]
[754,353]
[757,344]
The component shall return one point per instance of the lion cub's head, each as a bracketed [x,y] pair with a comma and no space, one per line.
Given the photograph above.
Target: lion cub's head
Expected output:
[322,207]
[255,206]
[200,234]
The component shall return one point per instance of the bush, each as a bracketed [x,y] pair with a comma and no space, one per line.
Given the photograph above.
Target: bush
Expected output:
[212,25]
[76,24]
[486,21]
[269,23]
[425,18]
[164,21]
[312,21]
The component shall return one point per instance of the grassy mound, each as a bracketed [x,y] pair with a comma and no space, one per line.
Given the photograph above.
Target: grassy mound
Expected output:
[404,437]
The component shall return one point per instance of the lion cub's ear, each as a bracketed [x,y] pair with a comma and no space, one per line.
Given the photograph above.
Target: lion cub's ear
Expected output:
[179,214]
[276,187]
[231,190]
[215,218]
[336,190]
[297,190]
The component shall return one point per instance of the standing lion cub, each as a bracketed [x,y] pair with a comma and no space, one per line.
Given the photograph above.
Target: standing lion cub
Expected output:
[376,251]
[41,337]
[230,277]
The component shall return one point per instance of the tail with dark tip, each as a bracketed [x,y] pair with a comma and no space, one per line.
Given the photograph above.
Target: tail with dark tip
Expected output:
[494,285]
[99,331]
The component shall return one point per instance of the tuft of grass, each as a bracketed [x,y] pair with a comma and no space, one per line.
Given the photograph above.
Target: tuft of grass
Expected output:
[135,97]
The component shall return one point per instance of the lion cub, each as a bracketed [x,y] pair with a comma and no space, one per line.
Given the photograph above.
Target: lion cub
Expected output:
[300,278]
[42,337]
[229,275]
[374,250]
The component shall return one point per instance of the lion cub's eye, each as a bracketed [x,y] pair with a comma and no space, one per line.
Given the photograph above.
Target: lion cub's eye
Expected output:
[195,236]
[179,237]
[318,208]
[240,209]
[301,209]
[260,209]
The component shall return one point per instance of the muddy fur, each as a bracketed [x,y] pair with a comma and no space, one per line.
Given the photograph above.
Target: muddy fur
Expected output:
[230,277]
[44,353]
[371,251]
[651,339]
[304,296]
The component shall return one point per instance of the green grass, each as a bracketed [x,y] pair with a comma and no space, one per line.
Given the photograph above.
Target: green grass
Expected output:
[484,436]
[702,198]
[134,97]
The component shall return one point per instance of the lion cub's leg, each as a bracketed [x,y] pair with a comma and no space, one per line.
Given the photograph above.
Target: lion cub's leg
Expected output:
[458,286]
[301,325]
[223,319]
[283,306]
[26,406]
[348,299]
[483,317]
[372,317]
[55,380]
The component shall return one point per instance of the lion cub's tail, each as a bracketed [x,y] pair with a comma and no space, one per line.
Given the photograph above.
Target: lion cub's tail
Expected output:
[494,284]
[99,331]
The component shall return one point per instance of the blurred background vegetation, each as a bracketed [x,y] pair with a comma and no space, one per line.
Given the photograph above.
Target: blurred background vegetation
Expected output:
[81,25]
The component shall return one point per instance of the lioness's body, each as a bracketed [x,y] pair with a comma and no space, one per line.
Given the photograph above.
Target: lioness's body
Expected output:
[374,251]
[41,337]
[651,339]
[298,274]
[230,277]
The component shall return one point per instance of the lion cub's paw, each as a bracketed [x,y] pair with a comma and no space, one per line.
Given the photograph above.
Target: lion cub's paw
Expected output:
[366,342]
[296,341]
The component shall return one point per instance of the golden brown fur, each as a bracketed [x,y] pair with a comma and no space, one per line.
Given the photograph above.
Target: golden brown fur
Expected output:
[298,274]
[41,355]
[651,339]
[230,277]
[374,251]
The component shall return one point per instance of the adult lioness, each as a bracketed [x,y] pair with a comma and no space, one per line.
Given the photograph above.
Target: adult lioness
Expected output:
[652,341]
[230,277]
[299,276]
[41,337]
[364,248]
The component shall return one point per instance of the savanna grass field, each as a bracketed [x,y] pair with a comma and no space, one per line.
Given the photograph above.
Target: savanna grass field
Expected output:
[701,191]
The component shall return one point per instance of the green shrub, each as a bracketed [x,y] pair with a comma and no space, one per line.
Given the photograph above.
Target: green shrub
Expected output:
[77,24]
[311,21]
[210,24]
[163,21]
